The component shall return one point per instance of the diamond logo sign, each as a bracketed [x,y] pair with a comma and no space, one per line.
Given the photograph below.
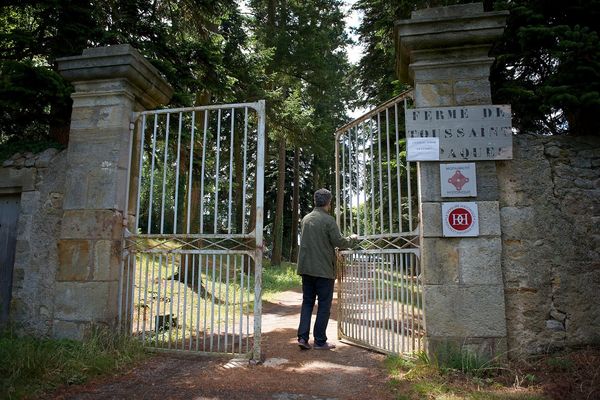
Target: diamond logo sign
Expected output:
[458,180]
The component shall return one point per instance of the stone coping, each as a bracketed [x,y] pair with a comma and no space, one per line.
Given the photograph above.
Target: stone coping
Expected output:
[445,29]
[115,62]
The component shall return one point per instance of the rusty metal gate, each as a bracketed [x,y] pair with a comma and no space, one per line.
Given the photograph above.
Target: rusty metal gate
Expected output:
[192,259]
[379,283]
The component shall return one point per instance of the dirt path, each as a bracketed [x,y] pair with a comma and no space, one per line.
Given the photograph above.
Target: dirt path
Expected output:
[348,372]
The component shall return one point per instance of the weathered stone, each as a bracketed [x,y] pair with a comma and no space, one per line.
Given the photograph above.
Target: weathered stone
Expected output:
[43,159]
[431,219]
[18,178]
[552,151]
[438,93]
[479,261]
[74,260]
[91,224]
[8,163]
[86,301]
[107,255]
[554,325]
[439,260]
[489,218]
[475,311]
[73,330]
[476,91]
[30,202]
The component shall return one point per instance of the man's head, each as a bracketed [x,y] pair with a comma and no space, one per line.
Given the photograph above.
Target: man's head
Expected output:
[322,198]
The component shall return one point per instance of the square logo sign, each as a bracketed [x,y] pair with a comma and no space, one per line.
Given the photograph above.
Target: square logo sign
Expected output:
[458,180]
[460,219]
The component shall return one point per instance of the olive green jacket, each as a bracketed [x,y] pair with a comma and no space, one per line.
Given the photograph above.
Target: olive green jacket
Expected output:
[319,236]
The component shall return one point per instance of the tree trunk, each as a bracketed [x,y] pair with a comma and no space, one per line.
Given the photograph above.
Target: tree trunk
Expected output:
[295,207]
[278,224]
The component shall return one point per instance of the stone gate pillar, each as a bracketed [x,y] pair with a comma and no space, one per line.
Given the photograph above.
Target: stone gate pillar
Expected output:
[110,83]
[443,54]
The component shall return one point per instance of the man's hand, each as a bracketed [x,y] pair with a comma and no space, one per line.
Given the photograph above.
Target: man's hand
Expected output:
[354,236]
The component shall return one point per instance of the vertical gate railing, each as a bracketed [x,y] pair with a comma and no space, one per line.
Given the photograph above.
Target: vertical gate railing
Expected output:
[192,260]
[379,282]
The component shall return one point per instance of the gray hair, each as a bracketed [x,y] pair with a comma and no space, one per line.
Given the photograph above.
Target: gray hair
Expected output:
[322,197]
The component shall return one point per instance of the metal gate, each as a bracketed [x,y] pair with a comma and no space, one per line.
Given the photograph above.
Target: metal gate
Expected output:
[192,259]
[379,283]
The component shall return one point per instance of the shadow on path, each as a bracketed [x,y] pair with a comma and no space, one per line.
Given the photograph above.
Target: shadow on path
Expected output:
[348,372]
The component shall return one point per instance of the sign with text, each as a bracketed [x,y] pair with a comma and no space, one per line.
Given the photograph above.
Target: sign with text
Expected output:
[470,133]
[458,180]
[460,219]
[423,149]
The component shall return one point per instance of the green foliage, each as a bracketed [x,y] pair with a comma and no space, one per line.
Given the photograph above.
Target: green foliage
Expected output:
[457,378]
[279,278]
[548,66]
[31,366]
[376,71]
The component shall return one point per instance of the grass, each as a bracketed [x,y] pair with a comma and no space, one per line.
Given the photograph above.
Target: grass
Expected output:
[459,377]
[277,279]
[32,366]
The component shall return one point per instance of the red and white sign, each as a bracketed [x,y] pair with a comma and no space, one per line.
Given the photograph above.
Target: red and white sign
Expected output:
[460,219]
[458,180]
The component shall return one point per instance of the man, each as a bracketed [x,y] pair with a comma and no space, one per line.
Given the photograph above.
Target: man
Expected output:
[319,237]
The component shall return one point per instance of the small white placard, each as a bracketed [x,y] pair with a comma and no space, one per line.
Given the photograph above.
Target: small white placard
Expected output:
[423,149]
[460,219]
[458,180]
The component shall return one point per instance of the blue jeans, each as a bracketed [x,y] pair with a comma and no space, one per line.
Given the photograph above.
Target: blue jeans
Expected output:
[312,288]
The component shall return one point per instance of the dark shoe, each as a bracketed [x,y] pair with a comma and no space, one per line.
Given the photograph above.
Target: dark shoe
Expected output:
[303,344]
[324,346]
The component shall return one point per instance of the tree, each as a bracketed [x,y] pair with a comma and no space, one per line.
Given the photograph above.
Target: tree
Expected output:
[548,66]
[306,89]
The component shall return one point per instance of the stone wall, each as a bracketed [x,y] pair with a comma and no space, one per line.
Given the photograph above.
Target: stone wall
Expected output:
[41,180]
[550,217]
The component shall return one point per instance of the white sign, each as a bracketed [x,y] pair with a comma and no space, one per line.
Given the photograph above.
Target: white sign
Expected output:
[458,180]
[423,149]
[460,219]
[468,133]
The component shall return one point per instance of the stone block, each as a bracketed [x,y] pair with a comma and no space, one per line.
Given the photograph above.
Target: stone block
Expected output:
[86,301]
[489,218]
[24,226]
[107,260]
[518,222]
[464,311]
[45,157]
[479,261]
[444,348]
[105,112]
[74,330]
[12,178]
[431,219]
[473,92]
[429,181]
[30,202]
[75,190]
[434,94]
[74,261]
[102,188]
[432,67]
[92,224]
[487,181]
[439,260]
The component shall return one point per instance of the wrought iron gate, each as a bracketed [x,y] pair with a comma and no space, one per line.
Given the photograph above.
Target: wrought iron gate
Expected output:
[192,259]
[379,283]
